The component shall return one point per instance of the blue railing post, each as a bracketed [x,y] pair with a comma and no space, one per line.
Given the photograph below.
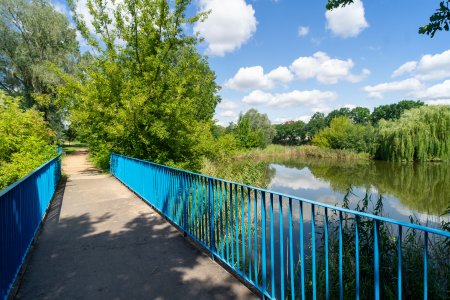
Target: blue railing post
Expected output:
[211,213]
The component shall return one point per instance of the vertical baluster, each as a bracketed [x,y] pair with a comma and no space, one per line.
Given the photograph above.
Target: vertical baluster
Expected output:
[231,224]
[313,251]
[255,215]
[341,237]
[357,255]
[302,252]
[425,266]
[212,239]
[327,281]
[272,250]
[243,229]
[399,254]
[263,240]
[280,203]
[222,238]
[376,259]
[291,253]
[249,233]
[236,229]
[226,223]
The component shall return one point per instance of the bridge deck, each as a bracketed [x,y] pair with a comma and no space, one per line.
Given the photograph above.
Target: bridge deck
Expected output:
[100,241]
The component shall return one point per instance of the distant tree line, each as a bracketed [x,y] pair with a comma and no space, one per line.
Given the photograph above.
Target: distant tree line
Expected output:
[403,131]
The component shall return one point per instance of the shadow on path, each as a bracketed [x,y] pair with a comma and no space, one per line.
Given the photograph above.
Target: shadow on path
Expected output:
[100,241]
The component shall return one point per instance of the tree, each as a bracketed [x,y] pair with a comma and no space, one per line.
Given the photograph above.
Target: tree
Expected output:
[421,134]
[343,134]
[438,21]
[147,92]
[393,111]
[26,142]
[315,124]
[360,115]
[290,133]
[254,129]
[35,39]
[341,112]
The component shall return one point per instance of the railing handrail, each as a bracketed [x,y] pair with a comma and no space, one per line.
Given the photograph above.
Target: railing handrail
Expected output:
[18,182]
[324,205]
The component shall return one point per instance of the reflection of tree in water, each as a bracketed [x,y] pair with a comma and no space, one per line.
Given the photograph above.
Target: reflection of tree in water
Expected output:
[423,187]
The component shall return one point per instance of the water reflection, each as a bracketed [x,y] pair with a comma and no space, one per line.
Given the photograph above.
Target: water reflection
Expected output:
[420,190]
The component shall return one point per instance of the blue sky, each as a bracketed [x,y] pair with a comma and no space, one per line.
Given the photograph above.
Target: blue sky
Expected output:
[290,58]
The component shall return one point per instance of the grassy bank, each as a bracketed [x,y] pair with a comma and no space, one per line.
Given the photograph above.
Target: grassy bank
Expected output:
[279,151]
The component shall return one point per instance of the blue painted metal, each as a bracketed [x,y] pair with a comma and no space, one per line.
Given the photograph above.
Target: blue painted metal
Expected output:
[313,252]
[207,210]
[23,206]
[357,256]
[291,253]
[425,266]
[376,258]
[327,279]
[341,277]
[399,276]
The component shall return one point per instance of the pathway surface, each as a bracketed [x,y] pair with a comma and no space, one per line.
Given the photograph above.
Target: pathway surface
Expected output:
[100,241]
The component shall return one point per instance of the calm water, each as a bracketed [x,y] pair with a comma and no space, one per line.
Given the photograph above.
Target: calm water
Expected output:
[421,191]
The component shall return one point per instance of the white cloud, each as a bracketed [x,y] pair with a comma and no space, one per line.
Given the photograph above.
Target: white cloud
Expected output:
[325,69]
[228,114]
[405,68]
[429,67]
[227,105]
[303,31]
[350,106]
[409,85]
[230,24]
[280,74]
[298,179]
[315,100]
[347,21]
[304,118]
[438,102]
[437,91]
[254,78]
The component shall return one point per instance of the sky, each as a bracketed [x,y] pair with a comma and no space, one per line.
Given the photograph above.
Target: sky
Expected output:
[291,58]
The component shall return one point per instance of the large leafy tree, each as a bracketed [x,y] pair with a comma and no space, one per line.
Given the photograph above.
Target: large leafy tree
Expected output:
[26,142]
[421,134]
[438,21]
[34,39]
[254,129]
[393,111]
[290,133]
[147,92]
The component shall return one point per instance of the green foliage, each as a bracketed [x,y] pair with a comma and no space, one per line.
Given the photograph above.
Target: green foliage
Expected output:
[35,39]
[316,124]
[360,115]
[341,112]
[421,134]
[393,111]
[254,130]
[438,21]
[290,133]
[25,141]
[147,93]
[343,134]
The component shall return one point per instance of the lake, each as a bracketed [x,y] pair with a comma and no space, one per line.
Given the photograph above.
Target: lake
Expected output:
[420,191]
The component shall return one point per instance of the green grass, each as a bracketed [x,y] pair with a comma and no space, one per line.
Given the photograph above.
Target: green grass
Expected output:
[277,151]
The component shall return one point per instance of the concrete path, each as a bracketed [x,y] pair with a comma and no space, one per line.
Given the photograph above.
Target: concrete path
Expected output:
[100,241]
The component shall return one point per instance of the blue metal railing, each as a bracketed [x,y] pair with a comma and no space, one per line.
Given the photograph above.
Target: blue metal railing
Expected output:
[22,207]
[282,245]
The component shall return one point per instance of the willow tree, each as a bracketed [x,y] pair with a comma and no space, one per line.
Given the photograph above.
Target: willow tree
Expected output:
[421,134]
[147,93]
[33,37]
